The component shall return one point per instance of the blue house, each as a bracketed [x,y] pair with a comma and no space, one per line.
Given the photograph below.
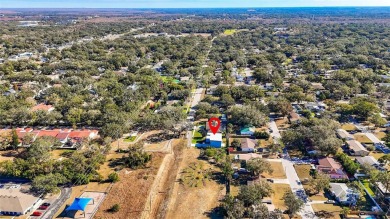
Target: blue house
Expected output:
[214,140]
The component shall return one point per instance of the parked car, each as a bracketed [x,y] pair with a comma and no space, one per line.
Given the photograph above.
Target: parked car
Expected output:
[46,204]
[43,207]
[36,213]
[330,202]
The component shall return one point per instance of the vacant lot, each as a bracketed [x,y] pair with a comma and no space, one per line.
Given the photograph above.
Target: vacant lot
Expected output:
[278,171]
[303,171]
[131,191]
[327,210]
[277,196]
[193,202]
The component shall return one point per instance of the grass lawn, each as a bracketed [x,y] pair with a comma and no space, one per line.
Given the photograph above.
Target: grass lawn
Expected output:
[366,185]
[130,139]
[362,138]
[197,138]
[303,171]
[380,135]
[348,127]
[376,154]
[278,171]
[277,196]
[334,210]
[229,31]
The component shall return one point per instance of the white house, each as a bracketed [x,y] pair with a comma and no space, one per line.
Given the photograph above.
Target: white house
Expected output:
[343,194]
[248,145]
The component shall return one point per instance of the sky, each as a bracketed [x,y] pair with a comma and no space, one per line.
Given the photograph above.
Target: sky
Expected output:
[184,3]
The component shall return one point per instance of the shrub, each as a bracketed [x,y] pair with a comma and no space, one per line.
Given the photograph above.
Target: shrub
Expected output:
[261,135]
[113,177]
[114,208]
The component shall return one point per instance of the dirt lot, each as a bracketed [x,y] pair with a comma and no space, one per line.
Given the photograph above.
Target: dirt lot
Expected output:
[333,211]
[303,171]
[194,202]
[277,196]
[130,191]
[278,171]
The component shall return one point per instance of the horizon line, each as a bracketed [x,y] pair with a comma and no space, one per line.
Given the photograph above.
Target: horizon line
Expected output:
[336,6]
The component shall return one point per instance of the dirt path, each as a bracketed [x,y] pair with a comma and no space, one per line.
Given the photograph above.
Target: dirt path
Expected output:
[163,182]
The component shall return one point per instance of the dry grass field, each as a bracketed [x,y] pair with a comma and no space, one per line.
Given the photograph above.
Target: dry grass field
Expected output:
[278,171]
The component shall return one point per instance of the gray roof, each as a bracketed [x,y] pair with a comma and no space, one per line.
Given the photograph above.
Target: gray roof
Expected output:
[14,200]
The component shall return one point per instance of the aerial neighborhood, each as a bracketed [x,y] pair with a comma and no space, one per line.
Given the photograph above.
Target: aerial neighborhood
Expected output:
[218,113]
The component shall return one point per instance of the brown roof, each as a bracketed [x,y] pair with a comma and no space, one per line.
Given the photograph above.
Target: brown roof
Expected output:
[248,143]
[329,162]
[13,200]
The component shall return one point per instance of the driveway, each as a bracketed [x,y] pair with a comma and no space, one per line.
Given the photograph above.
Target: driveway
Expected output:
[275,131]
[307,212]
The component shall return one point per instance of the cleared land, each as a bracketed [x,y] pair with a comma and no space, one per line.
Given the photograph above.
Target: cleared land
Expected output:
[303,171]
[229,31]
[194,202]
[131,191]
[277,196]
[362,138]
[349,127]
[278,171]
[327,210]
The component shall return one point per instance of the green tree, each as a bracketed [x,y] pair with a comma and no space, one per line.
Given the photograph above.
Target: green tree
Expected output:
[320,182]
[44,184]
[293,203]
[258,166]
[113,177]
[136,157]
[114,208]
[252,194]
[15,140]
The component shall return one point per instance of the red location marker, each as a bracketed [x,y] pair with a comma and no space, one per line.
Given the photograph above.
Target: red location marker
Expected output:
[214,124]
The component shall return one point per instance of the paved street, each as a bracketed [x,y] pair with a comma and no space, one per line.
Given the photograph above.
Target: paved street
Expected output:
[307,212]
[275,131]
[65,194]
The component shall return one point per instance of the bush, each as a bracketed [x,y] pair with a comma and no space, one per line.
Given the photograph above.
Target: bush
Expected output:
[370,148]
[114,208]
[113,177]
[261,135]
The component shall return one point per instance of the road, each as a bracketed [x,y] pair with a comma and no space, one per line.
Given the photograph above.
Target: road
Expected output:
[196,98]
[307,212]
[275,131]
[56,205]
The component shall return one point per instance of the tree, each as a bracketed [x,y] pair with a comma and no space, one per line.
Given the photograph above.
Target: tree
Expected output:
[113,177]
[280,105]
[252,194]
[44,184]
[236,143]
[74,116]
[246,116]
[227,171]
[258,166]
[136,157]
[196,175]
[320,182]
[15,140]
[385,159]
[40,149]
[233,208]
[377,120]
[293,203]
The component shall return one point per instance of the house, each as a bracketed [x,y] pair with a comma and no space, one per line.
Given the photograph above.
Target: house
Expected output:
[214,140]
[15,202]
[248,145]
[331,167]
[220,129]
[315,107]
[269,86]
[247,130]
[370,160]
[293,117]
[79,135]
[343,194]
[246,157]
[356,148]
[43,107]
[63,137]
[344,134]
[382,191]
[317,86]
[184,79]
